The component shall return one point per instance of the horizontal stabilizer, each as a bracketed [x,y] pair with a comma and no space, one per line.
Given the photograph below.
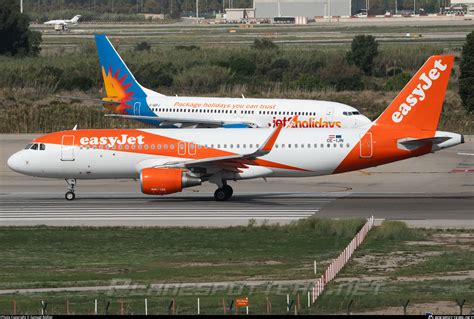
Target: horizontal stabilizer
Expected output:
[410,144]
[103,101]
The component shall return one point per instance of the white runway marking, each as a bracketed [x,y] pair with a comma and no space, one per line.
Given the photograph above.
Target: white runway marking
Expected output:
[132,209]
[84,213]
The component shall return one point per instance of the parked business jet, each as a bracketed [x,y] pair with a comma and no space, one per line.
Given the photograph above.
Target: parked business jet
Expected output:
[128,99]
[63,25]
[168,160]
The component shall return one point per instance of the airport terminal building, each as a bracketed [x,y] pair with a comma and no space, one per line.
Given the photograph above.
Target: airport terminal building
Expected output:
[301,8]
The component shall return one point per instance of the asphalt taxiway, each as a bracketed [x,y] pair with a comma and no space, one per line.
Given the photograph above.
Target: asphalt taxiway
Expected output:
[435,190]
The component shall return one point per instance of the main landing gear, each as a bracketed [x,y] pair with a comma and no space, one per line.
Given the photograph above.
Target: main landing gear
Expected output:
[223,193]
[71,188]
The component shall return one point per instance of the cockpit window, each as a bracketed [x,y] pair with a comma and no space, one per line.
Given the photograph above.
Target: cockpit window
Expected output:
[27,147]
[42,147]
[34,147]
[351,113]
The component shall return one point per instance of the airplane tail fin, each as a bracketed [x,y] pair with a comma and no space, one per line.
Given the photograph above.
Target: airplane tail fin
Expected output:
[408,126]
[76,19]
[420,102]
[120,84]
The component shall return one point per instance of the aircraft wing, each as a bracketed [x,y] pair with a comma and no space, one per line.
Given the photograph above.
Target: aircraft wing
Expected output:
[175,120]
[230,162]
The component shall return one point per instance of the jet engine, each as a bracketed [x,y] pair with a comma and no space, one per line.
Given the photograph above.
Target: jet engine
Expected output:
[162,181]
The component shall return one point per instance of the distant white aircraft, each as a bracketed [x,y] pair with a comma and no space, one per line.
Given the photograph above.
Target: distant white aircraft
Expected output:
[62,25]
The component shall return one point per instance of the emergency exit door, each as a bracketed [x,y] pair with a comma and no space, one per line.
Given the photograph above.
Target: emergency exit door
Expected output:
[366,147]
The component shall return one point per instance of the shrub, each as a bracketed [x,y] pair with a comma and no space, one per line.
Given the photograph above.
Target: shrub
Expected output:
[203,78]
[397,82]
[280,64]
[143,46]
[264,44]
[242,66]
[15,34]
[156,74]
[275,75]
[343,228]
[187,47]
[396,231]
[77,82]
[363,51]
[342,77]
[308,82]
[394,71]
[466,79]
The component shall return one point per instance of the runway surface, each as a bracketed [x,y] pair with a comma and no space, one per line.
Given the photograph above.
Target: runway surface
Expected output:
[433,190]
[112,209]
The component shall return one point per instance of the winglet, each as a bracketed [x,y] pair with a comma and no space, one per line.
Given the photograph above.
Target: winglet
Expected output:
[267,146]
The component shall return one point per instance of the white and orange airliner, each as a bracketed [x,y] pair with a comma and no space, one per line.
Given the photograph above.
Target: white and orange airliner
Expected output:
[167,160]
[128,99]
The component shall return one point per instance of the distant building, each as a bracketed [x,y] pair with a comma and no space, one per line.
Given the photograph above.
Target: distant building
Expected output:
[237,14]
[301,8]
[467,6]
[153,16]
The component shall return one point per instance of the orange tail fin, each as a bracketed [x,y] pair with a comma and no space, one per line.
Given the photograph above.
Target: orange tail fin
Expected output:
[419,103]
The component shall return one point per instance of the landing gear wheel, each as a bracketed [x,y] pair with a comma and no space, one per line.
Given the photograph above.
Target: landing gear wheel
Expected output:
[220,195]
[228,190]
[70,196]
[71,182]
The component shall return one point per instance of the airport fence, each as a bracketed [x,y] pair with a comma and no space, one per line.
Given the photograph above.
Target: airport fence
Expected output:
[337,264]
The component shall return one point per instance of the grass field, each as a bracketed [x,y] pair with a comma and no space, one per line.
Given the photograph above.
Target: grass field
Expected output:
[95,256]
[395,263]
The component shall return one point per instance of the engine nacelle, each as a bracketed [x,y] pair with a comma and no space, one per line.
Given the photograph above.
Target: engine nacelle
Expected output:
[162,181]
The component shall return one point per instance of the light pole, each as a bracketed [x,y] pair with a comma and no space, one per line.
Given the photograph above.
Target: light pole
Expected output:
[21,6]
[197,9]
[329,10]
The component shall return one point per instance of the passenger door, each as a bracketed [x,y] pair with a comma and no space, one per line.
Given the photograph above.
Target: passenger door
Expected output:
[136,108]
[366,145]
[67,148]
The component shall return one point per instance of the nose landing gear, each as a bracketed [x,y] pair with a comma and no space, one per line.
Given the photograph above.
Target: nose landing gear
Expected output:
[223,193]
[71,188]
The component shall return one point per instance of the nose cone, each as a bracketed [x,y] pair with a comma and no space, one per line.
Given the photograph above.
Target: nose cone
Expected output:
[18,163]
[14,162]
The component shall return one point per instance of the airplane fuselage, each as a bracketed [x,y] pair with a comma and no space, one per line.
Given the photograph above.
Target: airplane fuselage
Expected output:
[256,112]
[113,154]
